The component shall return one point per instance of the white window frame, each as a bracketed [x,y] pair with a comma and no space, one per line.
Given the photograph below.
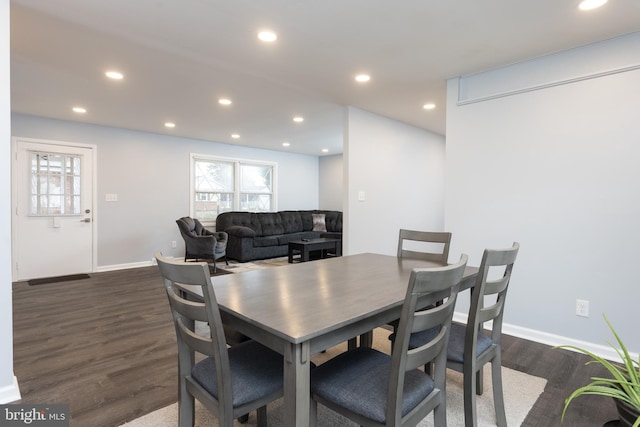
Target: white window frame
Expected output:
[236,180]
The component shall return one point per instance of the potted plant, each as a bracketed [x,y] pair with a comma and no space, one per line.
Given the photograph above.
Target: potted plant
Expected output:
[623,387]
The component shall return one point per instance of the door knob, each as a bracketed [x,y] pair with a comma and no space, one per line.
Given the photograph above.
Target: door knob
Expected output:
[86,220]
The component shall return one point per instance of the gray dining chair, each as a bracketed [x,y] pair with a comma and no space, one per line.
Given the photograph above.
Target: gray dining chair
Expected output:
[471,346]
[376,389]
[229,381]
[423,238]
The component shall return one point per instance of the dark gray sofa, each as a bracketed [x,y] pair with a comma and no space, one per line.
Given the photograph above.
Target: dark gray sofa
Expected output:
[262,235]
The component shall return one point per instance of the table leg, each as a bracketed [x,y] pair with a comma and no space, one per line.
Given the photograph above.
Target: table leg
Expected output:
[366,339]
[305,254]
[296,385]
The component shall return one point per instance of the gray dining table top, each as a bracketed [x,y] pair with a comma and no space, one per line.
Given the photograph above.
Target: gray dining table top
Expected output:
[299,302]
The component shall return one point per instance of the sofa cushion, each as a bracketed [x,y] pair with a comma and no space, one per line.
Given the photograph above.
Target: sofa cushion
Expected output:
[333,220]
[271,223]
[291,222]
[261,242]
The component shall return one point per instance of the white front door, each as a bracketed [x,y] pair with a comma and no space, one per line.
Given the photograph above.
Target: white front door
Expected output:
[53,204]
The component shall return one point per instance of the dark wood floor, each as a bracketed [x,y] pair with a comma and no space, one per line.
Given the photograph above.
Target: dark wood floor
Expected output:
[106,346]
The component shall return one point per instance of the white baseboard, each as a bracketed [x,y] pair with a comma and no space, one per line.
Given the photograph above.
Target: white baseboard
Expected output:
[115,267]
[10,393]
[140,264]
[553,340]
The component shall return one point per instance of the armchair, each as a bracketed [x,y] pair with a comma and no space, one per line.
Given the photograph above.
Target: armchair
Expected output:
[201,243]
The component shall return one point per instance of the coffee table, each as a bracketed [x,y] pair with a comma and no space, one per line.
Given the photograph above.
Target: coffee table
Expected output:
[306,246]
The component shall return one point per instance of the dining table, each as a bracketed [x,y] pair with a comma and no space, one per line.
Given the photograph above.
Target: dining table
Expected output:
[302,309]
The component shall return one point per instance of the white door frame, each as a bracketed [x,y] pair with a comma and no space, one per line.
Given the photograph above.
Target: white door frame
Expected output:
[14,196]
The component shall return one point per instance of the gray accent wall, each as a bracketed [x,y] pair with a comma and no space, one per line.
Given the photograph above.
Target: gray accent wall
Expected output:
[150,175]
[554,166]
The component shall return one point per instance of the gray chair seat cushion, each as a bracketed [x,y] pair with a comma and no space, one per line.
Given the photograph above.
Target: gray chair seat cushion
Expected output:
[359,380]
[455,351]
[256,371]
[419,338]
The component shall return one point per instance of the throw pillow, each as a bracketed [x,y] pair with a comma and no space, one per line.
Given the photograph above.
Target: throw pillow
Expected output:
[318,222]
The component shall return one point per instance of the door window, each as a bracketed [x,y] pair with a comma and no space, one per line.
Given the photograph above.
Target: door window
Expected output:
[55,184]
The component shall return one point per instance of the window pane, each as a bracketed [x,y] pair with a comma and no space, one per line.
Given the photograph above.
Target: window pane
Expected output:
[54,184]
[255,202]
[255,178]
[76,185]
[55,205]
[56,163]
[213,176]
[208,205]
[39,184]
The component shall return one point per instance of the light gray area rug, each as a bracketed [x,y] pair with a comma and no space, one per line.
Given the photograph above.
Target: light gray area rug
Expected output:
[520,392]
[241,267]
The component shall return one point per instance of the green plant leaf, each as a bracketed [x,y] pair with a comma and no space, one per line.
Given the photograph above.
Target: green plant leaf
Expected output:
[624,384]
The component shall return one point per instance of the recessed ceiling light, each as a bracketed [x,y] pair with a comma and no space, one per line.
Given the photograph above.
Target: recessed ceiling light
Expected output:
[429,106]
[79,110]
[363,78]
[170,124]
[115,75]
[267,36]
[298,119]
[235,136]
[591,4]
[325,150]
[224,101]
[285,144]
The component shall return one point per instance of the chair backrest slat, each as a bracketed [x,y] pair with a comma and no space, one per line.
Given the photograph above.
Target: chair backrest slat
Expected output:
[189,309]
[441,238]
[198,343]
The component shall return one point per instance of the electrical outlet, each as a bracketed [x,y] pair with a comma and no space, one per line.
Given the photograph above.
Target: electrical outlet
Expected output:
[174,244]
[582,308]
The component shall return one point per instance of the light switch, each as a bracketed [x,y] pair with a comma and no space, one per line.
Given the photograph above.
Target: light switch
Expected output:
[361,196]
[110,197]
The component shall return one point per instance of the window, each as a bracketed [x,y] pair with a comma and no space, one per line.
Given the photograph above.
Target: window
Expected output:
[55,184]
[222,185]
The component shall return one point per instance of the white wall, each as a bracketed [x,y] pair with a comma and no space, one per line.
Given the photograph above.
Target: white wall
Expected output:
[150,175]
[8,386]
[556,169]
[400,169]
[331,182]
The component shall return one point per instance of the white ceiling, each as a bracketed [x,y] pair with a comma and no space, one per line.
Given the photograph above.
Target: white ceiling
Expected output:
[180,56]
